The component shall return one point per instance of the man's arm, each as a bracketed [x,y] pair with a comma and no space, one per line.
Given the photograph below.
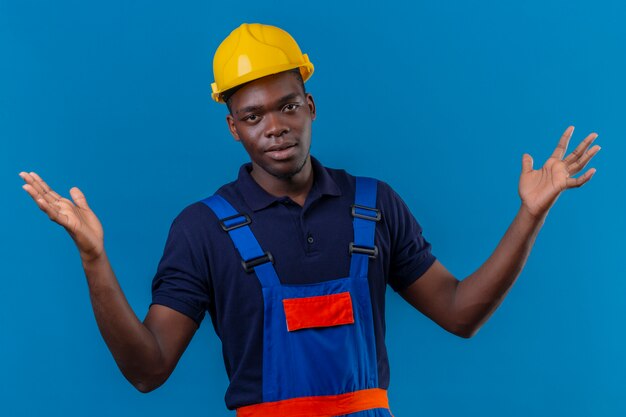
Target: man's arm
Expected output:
[147,352]
[462,307]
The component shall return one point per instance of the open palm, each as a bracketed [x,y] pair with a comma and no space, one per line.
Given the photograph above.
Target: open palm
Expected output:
[540,188]
[76,217]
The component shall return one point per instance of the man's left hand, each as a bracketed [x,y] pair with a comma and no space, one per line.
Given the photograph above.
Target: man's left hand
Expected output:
[540,188]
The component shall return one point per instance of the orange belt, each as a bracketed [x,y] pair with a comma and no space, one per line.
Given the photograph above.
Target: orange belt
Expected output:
[319,405]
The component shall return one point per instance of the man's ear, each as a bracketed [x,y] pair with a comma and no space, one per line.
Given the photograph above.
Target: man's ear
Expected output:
[231,127]
[311,104]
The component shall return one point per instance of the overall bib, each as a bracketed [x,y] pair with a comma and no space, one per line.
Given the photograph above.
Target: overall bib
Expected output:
[319,348]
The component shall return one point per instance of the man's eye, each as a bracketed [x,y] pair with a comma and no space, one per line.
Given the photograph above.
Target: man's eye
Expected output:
[252,117]
[290,107]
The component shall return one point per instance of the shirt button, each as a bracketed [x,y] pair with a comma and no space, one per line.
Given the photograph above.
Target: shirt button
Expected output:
[309,239]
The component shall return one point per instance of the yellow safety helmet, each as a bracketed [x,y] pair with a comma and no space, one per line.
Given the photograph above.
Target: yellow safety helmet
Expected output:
[253,51]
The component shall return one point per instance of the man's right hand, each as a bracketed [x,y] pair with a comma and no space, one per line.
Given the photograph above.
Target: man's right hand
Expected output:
[147,352]
[76,217]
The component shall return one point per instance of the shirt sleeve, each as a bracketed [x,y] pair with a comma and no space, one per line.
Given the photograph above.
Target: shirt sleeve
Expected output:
[181,280]
[411,253]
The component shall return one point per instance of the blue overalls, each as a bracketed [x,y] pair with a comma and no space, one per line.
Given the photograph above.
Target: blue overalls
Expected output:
[319,349]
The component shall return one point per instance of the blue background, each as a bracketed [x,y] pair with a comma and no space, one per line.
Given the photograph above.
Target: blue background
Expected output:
[440,99]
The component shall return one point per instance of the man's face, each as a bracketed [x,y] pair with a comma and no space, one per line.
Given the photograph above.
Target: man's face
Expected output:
[272,118]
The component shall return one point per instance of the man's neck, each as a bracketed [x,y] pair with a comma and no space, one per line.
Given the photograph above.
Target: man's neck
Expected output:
[296,187]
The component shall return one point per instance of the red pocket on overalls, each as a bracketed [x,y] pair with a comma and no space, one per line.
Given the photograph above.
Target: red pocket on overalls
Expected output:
[319,311]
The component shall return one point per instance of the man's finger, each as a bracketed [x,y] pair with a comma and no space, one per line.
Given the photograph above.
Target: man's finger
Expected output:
[47,201]
[51,209]
[577,166]
[527,163]
[45,186]
[577,182]
[580,149]
[35,194]
[79,198]
[39,188]
[563,142]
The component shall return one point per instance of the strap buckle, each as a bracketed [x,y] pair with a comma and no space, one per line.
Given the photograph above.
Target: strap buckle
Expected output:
[227,228]
[374,218]
[250,264]
[371,252]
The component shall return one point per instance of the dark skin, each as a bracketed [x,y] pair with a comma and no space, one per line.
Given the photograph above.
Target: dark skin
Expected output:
[275,112]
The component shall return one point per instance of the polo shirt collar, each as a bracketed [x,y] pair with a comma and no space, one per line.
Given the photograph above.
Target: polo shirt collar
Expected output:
[257,198]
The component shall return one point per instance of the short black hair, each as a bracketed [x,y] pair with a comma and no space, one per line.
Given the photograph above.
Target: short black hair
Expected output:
[228,94]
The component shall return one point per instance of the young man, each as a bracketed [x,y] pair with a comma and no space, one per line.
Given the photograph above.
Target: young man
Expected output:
[292,259]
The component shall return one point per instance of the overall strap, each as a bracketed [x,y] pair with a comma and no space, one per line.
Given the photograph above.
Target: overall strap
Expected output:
[253,258]
[365,216]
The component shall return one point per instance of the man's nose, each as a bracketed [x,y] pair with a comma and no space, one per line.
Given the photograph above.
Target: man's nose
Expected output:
[275,125]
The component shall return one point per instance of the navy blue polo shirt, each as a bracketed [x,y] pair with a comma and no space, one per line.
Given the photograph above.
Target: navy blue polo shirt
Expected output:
[201,270]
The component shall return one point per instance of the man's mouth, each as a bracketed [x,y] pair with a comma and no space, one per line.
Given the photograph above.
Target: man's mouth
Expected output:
[281,152]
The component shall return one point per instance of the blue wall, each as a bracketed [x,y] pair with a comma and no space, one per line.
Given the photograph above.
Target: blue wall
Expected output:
[439,99]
